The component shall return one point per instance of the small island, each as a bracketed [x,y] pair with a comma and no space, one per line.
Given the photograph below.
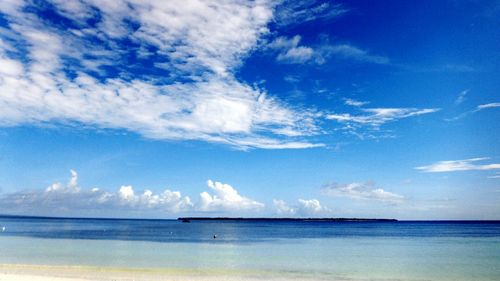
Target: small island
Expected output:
[189,219]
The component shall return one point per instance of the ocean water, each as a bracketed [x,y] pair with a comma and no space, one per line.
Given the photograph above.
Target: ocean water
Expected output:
[404,250]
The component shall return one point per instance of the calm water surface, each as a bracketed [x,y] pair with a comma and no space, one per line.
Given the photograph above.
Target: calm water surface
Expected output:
[358,250]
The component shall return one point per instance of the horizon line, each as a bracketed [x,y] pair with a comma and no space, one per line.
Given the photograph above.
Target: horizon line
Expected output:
[246,218]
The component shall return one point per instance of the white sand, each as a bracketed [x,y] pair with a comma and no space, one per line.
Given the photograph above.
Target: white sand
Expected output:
[16,272]
[22,277]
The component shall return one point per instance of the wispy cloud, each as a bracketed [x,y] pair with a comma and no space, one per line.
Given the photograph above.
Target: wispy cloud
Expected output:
[459,165]
[379,116]
[488,105]
[447,68]
[353,102]
[368,122]
[70,199]
[456,68]
[290,13]
[362,191]
[461,97]
[477,109]
[66,75]
[290,51]
[183,84]
[348,51]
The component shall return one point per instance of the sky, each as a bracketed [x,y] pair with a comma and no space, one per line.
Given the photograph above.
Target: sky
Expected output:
[155,109]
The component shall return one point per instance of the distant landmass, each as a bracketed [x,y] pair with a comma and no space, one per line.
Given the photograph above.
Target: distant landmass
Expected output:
[188,219]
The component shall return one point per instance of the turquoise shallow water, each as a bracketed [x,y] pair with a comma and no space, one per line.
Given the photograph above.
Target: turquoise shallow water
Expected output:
[379,251]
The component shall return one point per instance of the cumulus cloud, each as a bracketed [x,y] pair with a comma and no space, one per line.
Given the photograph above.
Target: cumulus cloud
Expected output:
[70,200]
[310,206]
[304,207]
[282,208]
[126,193]
[459,165]
[362,191]
[226,198]
[80,74]
[72,185]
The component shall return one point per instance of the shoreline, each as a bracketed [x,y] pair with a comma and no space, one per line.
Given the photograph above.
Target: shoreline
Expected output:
[33,272]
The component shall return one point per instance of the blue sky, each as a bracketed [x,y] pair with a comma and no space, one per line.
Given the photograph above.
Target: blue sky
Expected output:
[260,108]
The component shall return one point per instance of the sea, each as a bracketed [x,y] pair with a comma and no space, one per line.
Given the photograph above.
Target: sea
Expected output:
[345,250]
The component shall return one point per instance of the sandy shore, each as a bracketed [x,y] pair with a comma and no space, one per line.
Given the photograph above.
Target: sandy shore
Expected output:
[17,272]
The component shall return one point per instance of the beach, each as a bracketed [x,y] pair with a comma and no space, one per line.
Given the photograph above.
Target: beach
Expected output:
[17,272]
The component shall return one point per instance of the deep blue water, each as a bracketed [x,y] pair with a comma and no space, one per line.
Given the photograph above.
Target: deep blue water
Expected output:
[236,231]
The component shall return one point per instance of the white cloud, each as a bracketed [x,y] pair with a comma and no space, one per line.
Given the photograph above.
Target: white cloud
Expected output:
[304,207]
[293,79]
[59,200]
[458,165]
[282,208]
[349,52]
[70,199]
[477,109]
[455,68]
[126,193]
[289,51]
[488,105]
[296,55]
[81,76]
[368,123]
[72,185]
[362,191]
[284,43]
[197,44]
[310,207]
[378,116]
[73,182]
[291,13]
[10,68]
[226,198]
[461,97]
[357,103]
